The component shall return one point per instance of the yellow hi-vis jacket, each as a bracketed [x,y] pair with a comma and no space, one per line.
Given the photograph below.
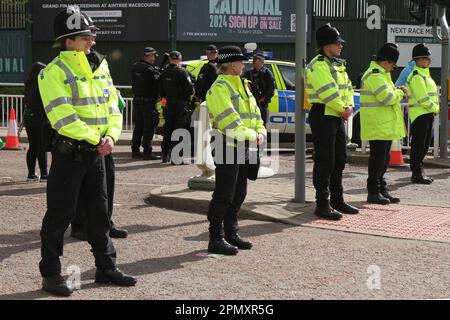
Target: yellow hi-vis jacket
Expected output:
[423,93]
[380,108]
[80,104]
[328,83]
[233,110]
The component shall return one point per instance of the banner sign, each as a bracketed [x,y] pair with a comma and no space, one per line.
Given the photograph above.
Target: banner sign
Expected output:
[118,20]
[12,56]
[270,21]
[408,36]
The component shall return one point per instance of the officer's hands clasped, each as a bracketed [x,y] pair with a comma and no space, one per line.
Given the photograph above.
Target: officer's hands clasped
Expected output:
[405,92]
[106,146]
[347,113]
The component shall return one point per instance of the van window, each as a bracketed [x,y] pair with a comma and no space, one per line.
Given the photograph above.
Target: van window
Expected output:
[288,74]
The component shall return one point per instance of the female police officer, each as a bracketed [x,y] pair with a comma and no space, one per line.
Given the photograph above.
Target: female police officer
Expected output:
[423,103]
[381,119]
[236,117]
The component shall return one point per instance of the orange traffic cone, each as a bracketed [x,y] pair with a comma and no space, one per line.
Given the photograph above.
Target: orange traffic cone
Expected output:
[396,156]
[12,139]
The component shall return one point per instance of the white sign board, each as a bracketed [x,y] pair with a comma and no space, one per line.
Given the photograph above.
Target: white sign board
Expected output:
[407,36]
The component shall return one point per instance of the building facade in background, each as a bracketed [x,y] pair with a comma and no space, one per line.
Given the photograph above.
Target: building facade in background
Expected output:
[190,25]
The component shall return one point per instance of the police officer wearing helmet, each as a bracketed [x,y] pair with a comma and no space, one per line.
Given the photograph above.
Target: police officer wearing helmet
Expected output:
[262,84]
[79,223]
[176,87]
[145,82]
[423,105]
[381,119]
[331,94]
[207,74]
[82,105]
[236,119]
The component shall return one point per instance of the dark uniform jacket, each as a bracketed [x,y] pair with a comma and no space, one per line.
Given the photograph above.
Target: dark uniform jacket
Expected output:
[145,80]
[262,84]
[176,84]
[205,79]
[34,114]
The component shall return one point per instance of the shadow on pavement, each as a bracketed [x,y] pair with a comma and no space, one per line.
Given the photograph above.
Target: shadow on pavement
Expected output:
[254,230]
[153,265]
[24,192]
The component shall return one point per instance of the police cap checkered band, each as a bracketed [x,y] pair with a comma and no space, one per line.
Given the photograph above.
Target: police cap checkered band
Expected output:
[230,54]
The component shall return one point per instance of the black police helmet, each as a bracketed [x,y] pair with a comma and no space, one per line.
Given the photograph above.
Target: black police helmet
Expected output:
[327,34]
[421,51]
[72,22]
[388,52]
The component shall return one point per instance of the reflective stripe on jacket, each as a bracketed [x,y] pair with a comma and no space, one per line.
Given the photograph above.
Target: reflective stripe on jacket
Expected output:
[423,93]
[381,111]
[80,104]
[233,110]
[329,84]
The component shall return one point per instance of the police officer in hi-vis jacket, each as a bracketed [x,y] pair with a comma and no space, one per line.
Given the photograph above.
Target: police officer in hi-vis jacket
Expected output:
[331,93]
[82,106]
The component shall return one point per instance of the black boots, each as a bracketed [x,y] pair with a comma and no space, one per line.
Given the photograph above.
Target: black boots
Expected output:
[327,212]
[136,155]
[114,276]
[237,241]
[117,233]
[220,246]
[150,156]
[388,196]
[56,285]
[421,179]
[165,158]
[377,198]
[343,207]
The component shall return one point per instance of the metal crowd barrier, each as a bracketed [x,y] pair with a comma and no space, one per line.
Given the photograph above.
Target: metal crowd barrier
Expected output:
[16,101]
[407,139]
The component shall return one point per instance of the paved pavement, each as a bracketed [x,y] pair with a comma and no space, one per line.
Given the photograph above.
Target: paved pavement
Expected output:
[393,252]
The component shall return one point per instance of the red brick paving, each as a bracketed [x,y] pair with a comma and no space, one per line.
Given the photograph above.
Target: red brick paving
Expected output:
[400,221]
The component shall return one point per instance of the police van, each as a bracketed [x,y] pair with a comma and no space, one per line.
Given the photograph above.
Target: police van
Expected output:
[281,114]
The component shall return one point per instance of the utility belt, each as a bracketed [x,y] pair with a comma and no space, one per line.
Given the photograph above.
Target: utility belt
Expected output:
[318,105]
[67,146]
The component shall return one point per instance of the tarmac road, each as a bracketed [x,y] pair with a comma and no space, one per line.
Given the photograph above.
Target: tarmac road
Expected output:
[164,247]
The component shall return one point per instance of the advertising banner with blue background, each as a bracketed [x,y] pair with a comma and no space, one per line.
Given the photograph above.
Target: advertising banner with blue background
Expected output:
[270,21]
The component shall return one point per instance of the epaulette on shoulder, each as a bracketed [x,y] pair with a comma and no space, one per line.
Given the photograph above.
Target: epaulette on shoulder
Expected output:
[321,58]
[415,72]
[375,71]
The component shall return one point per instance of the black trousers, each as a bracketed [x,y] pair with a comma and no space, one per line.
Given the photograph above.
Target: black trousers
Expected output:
[172,113]
[36,149]
[330,154]
[421,131]
[378,165]
[264,109]
[228,196]
[68,175]
[79,222]
[145,118]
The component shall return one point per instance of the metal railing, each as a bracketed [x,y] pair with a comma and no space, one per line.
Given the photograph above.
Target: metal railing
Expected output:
[407,139]
[16,101]
[13,14]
